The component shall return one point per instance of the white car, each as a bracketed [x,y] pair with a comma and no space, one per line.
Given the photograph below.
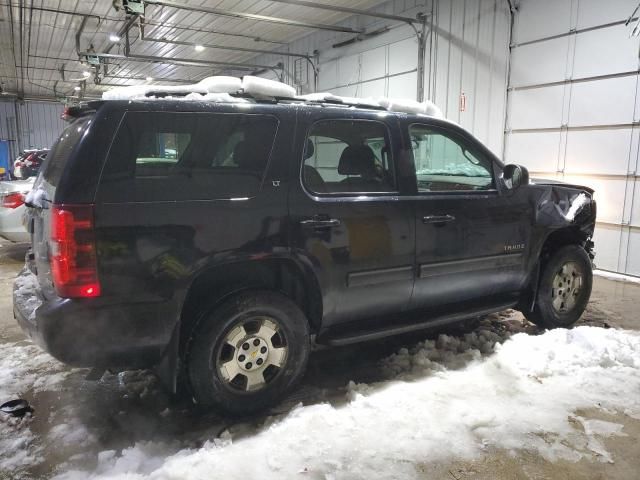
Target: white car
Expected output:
[12,209]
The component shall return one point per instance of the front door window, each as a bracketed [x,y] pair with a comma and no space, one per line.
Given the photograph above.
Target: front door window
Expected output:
[443,164]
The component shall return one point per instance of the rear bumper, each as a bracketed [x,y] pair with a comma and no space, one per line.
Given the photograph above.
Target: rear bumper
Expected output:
[93,332]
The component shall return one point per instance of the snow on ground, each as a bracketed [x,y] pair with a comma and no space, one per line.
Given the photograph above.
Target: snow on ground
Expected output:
[26,293]
[446,400]
[23,367]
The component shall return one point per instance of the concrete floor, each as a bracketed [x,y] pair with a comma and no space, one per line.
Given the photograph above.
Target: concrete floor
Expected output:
[123,409]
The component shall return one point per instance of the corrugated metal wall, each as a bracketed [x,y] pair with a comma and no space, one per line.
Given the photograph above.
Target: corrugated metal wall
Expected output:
[573,111]
[467,53]
[30,124]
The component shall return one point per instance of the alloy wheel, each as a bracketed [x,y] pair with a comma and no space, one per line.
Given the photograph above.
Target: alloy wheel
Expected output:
[566,287]
[252,354]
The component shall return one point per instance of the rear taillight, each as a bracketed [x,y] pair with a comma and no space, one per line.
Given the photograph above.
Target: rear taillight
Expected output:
[74,264]
[13,200]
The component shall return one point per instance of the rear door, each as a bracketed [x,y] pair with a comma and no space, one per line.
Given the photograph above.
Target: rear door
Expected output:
[348,223]
[471,238]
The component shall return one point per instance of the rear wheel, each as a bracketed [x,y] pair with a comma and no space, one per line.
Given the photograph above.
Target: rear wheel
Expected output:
[565,288]
[249,352]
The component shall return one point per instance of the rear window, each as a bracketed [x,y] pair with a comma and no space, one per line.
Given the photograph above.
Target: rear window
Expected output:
[57,157]
[187,156]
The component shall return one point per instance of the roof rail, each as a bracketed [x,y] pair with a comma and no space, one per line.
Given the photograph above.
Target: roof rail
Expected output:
[223,89]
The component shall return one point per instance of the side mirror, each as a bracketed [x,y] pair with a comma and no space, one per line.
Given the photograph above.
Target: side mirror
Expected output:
[514,176]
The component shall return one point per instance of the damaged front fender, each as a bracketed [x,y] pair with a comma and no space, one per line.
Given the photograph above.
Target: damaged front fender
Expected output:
[562,206]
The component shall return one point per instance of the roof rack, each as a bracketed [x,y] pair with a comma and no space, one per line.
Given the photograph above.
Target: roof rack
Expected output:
[224,89]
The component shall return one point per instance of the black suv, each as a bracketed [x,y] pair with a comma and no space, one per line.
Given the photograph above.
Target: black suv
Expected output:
[217,242]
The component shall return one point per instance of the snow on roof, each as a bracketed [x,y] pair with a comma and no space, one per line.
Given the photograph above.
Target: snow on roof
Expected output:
[218,84]
[262,87]
[392,104]
[222,89]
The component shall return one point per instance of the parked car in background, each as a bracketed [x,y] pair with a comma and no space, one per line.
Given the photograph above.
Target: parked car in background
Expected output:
[28,163]
[12,208]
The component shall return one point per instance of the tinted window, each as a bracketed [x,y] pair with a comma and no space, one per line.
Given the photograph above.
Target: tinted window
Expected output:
[188,156]
[57,157]
[157,150]
[344,156]
[444,164]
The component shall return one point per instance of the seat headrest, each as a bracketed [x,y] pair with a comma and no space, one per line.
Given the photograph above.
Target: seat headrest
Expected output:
[357,160]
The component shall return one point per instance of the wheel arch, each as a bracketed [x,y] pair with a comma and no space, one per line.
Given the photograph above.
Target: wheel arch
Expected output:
[561,237]
[212,285]
[572,235]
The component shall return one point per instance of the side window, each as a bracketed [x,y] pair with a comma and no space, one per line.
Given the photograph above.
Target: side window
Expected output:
[188,156]
[348,156]
[443,164]
[158,151]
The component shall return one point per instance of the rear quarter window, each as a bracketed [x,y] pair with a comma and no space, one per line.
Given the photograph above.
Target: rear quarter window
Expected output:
[187,156]
[61,150]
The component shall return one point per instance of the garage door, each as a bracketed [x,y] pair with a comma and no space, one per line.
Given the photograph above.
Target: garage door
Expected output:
[573,111]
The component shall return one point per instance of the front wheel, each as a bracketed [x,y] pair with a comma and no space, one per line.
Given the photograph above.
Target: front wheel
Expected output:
[249,352]
[565,288]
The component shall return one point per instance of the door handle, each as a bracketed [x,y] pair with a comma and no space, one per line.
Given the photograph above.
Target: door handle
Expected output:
[320,222]
[438,219]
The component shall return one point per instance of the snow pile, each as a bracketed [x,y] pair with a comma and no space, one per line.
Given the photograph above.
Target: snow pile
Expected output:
[36,197]
[410,106]
[457,405]
[462,170]
[23,367]
[262,87]
[26,293]
[444,353]
[213,89]
[209,85]
[219,88]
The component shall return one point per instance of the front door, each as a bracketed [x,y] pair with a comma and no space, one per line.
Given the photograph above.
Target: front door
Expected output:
[348,223]
[471,238]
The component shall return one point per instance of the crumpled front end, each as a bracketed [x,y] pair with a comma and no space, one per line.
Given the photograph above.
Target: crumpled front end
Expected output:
[565,206]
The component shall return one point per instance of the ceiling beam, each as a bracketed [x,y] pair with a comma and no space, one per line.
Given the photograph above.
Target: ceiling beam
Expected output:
[353,11]
[252,16]
[116,77]
[222,47]
[254,38]
[62,12]
[177,61]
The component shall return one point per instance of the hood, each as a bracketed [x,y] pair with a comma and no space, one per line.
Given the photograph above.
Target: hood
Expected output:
[544,181]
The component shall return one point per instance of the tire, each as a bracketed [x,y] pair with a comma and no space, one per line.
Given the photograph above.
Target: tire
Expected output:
[248,353]
[565,287]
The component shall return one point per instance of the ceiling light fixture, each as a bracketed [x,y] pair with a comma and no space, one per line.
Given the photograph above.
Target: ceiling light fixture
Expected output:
[114,38]
[149,79]
[76,88]
[199,48]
